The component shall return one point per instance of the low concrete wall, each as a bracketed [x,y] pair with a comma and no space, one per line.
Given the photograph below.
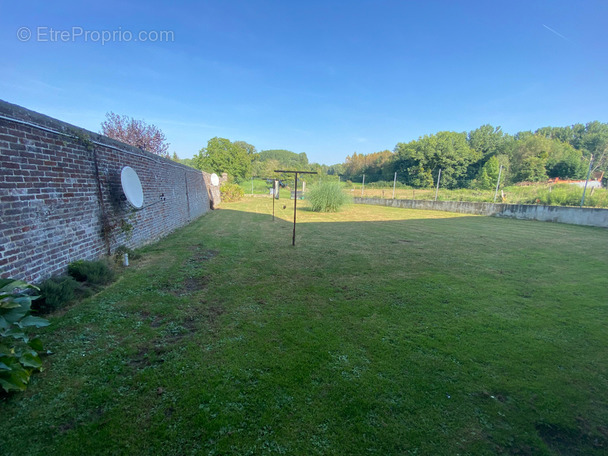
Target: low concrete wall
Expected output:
[571,215]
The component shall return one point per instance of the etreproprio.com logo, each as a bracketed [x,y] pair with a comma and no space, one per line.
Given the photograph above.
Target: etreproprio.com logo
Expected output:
[74,34]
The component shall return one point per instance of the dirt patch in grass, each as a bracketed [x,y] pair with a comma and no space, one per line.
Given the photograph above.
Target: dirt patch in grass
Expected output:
[194,284]
[213,312]
[144,358]
[189,286]
[155,320]
[177,332]
[201,255]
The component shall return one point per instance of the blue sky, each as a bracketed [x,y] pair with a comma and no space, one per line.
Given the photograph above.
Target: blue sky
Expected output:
[323,77]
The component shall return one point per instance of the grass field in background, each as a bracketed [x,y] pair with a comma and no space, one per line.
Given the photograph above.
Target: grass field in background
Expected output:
[551,195]
[383,331]
[541,193]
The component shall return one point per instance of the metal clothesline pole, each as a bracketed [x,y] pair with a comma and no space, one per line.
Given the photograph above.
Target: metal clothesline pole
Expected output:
[295,196]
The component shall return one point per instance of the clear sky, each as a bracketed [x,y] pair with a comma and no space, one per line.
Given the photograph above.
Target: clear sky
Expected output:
[323,77]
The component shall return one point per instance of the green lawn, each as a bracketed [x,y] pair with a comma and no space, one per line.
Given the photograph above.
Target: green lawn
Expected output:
[384,331]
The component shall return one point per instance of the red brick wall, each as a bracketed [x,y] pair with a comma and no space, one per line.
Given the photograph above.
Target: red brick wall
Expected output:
[56,207]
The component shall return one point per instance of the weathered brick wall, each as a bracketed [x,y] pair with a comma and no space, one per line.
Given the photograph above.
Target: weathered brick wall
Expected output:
[61,199]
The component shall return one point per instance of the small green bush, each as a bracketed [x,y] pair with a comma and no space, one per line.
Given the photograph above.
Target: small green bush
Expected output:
[231,192]
[55,293]
[326,197]
[93,272]
[19,355]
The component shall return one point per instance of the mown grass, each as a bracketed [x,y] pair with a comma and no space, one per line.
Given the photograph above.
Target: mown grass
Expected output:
[383,331]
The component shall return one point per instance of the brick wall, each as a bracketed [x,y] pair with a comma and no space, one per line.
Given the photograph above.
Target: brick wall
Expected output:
[61,199]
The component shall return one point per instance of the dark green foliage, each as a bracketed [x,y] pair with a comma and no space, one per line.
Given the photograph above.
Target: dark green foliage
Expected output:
[550,152]
[420,161]
[223,156]
[55,293]
[231,192]
[285,158]
[488,175]
[326,197]
[376,166]
[94,272]
[18,352]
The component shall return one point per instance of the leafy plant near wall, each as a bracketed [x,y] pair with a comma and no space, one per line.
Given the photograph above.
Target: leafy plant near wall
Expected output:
[19,355]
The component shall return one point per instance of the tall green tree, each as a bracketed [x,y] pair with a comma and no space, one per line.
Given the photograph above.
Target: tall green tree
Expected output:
[590,139]
[287,159]
[223,156]
[488,175]
[537,158]
[594,141]
[250,149]
[447,150]
[487,140]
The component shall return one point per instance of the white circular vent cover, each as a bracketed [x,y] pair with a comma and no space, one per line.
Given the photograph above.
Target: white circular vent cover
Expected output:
[131,186]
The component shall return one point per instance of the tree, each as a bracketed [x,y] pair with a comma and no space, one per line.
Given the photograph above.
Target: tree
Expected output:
[223,156]
[246,147]
[590,139]
[265,168]
[376,166]
[488,175]
[136,133]
[594,141]
[487,140]
[421,160]
[565,162]
[336,170]
[536,158]
[287,159]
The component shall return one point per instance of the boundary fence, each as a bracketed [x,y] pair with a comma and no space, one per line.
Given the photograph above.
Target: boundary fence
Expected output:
[560,214]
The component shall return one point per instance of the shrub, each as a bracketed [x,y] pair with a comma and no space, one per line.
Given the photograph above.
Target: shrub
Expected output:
[231,192]
[19,355]
[94,272]
[55,293]
[326,197]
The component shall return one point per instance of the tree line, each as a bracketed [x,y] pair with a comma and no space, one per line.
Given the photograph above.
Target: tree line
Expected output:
[242,161]
[474,159]
[466,160]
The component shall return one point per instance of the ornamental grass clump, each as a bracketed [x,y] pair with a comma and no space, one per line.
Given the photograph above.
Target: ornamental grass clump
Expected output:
[327,197]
